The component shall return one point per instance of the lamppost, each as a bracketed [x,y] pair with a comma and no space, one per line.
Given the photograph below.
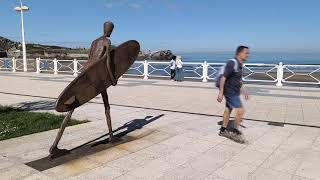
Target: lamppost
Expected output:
[22,8]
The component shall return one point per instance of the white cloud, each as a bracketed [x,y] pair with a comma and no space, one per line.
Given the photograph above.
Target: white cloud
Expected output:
[134,4]
[108,5]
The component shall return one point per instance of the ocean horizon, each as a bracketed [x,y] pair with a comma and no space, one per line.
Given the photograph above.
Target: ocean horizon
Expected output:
[311,58]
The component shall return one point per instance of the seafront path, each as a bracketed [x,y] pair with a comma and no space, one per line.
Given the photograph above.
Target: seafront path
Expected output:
[168,131]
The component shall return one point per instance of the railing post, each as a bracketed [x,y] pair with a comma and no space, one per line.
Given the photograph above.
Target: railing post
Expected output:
[145,69]
[14,64]
[75,67]
[55,66]
[37,65]
[205,71]
[279,74]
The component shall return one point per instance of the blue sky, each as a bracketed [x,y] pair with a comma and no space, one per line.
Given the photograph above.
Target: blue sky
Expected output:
[180,25]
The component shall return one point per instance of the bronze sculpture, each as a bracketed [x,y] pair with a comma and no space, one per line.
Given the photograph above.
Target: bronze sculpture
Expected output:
[104,67]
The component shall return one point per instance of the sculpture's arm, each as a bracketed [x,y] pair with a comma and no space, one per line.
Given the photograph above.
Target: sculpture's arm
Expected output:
[107,54]
[91,50]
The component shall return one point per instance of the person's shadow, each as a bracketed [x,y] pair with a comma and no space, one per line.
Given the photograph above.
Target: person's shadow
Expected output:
[94,145]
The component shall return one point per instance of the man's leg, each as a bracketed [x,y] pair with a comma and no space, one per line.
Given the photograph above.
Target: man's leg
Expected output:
[107,112]
[239,116]
[226,117]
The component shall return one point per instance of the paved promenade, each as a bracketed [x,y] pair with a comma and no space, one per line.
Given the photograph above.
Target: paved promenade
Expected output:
[168,130]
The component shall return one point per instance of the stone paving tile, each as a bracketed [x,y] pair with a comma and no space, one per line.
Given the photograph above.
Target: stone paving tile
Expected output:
[16,172]
[128,177]
[72,168]
[235,170]
[108,155]
[214,177]
[131,161]
[5,162]
[316,144]
[152,170]
[300,178]
[267,174]
[38,176]
[183,173]
[211,160]
[267,143]
[252,157]
[135,145]
[102,172]
[309,167]
[158,150]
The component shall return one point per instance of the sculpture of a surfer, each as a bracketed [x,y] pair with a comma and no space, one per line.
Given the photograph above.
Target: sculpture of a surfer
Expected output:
[104,67]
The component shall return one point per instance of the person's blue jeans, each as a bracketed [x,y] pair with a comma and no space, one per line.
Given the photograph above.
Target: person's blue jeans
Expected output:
[179,75]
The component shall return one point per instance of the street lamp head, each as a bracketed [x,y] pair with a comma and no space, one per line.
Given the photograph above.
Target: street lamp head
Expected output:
[21,8]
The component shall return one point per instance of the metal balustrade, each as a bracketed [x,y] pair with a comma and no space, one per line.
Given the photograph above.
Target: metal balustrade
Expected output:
[302,74]
[6,64]
[260,72]
[252,72]
[19,64]
[137,69]
[213,70]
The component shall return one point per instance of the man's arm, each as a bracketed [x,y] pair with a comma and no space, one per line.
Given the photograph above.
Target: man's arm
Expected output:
[107,55]
[91,50]
[229,69]
[221,89]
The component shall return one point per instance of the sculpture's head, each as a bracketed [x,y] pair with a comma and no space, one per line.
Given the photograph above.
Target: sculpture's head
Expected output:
[108,28]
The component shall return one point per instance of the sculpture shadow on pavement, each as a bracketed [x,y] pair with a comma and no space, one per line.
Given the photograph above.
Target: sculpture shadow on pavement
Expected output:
[95,145]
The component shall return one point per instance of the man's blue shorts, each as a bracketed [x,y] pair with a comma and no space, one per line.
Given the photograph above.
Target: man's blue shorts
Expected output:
[233,102]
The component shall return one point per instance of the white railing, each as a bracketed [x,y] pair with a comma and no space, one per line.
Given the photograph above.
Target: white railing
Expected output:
[302,74]
[7,64]
[252,72]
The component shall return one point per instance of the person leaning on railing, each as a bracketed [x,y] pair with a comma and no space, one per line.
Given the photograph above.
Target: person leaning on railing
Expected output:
[179,64]
[172,65]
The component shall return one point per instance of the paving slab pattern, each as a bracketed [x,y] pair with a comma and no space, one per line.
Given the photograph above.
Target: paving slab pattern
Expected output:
[175,145]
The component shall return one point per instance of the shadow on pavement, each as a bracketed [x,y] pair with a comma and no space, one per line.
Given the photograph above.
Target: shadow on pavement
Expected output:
[95,146]
[36,105]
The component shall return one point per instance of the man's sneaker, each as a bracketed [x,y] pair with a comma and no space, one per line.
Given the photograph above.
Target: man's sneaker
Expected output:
[225,133]
[238,136]
[236,131]
[234,135]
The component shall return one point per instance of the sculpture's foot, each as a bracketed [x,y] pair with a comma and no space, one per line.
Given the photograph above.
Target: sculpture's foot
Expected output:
[114,139]
[56,152]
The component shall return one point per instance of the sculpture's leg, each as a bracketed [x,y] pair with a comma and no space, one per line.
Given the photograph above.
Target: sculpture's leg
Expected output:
[54,148]
[105,98]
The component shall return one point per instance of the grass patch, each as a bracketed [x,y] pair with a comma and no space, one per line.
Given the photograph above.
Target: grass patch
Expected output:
[15,122]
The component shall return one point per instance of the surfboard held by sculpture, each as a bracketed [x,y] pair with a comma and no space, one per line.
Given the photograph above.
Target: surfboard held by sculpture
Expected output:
[95,79]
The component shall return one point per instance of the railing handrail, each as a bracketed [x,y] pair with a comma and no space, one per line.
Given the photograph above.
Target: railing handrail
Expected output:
[280,73]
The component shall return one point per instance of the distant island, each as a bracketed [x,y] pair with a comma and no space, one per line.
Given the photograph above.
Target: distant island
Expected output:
[10,48]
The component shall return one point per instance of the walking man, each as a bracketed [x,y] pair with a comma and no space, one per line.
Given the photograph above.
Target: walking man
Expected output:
[231,87]
[172,65]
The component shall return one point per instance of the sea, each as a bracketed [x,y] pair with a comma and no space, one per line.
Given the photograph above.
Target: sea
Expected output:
[310,58]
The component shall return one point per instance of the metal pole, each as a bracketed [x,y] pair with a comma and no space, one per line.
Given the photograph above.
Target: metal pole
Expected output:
[280,74]
[75,67]
[205,72]
[24,53]
[145,69]
[38,65]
